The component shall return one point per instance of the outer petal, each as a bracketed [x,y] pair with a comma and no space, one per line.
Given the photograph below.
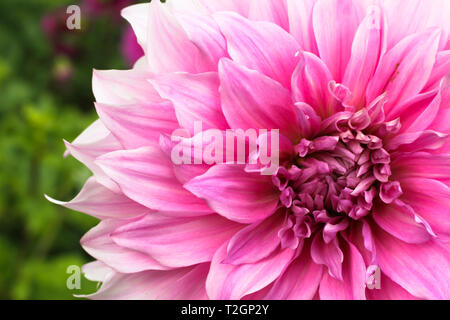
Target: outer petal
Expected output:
[335,37]
[389,290]
[352,287]
[403,71]
[235,194]
[176,242]
[301,25]
[366,51]
[252,100]
[123,87]
[168,44]
[179,284]
[299,281]
[421,269]
[146,176]
[226,281]
[100,202]
[255,241]
[97,271]
[95,141]
[260,46]
[431,200]
[138,125]
[310,85]
[195,98]
[328,254]
[98,243]
[401,221]
[270,10]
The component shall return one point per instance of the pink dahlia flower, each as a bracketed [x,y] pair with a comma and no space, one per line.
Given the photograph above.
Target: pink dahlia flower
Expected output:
[359,205]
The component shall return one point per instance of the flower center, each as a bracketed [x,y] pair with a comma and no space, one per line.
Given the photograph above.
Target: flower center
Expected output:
[333,180]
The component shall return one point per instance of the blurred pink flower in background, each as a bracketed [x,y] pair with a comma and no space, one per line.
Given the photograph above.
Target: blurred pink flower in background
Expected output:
[131,50]
[362,104]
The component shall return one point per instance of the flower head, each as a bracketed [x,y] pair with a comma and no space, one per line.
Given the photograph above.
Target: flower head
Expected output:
[358,204]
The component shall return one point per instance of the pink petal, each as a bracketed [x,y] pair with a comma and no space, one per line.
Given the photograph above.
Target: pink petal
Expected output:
[146,176]
[260,46]
[421,269]
[137,16]
[335,37]
[431,200]
[274,11]
[310,85]
[366,51]
[226,281]
[168,44]
[328,254]
[92,143]
[179,284]
[98,243]
[300,23]
[176,242]
[352,285]
[235,194]
[417,141]
[440,69]
[389,290]
[422,165]
[249,100]
[299,281]
[403,71]
[256,241]
[138,125]
[100,202]
[123,87]
[194,97]
[400,221]
[98,271]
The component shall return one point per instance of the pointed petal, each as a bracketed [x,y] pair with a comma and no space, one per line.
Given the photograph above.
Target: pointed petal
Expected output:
[146,176]
[255,241]
[226,281]
[138,125]
[300,281]
[352,286]
[178,284]
[301,25]
[421,269]
[235,194]
[98,243]
[274,11]
[100,202]
[400,221]
[310,85]
[252,100]
[176,242]
[260,46]
[366,51]
[403,71]
[194,97]
[328,254]
[334,38]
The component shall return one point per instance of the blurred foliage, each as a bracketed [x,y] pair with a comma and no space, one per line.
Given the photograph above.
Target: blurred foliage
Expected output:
[45,96]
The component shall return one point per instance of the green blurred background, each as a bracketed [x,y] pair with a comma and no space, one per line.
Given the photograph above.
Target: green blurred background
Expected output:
[45,96]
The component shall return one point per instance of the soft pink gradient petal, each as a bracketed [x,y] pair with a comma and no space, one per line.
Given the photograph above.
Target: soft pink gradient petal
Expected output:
[274,11]
[300,24]
[226,281]
[260,46]
[328,254]
[352,285]
[195,98]
[235,194]
[249,98]
[100,202]
[98,243]
[176,242]
[178,284]
[146,176]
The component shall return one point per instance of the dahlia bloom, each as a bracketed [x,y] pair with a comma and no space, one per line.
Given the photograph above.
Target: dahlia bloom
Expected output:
[360,95]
